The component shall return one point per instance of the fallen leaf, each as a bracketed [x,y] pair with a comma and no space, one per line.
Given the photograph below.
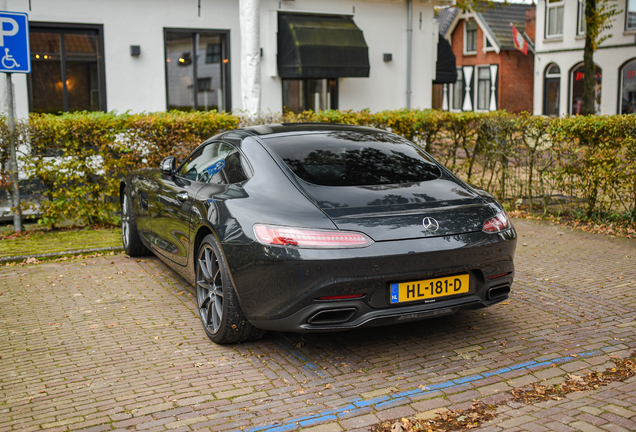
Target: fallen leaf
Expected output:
[397,427]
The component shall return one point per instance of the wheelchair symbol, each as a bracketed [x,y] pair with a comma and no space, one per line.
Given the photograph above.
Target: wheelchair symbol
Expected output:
[9,60]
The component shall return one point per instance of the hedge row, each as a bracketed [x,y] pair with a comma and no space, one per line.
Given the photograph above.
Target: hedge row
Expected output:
[587,162]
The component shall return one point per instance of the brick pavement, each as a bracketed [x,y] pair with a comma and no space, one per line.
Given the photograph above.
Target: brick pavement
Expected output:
[114,343]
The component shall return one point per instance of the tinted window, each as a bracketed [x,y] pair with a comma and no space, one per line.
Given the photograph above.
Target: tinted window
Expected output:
[354,159]
[218,163]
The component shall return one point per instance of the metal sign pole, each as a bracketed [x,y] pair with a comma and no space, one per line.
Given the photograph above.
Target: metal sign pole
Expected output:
[13,163]
[14,43]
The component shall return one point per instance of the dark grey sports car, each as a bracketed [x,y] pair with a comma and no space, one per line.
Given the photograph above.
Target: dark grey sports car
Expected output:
[318,227]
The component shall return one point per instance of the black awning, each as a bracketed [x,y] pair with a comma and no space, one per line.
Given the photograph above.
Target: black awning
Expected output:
[446,68]
[321,46]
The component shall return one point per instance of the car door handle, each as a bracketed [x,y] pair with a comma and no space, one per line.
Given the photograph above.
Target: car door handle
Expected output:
[182,196]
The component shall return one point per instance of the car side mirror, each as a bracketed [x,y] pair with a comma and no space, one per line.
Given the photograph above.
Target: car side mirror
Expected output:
[168,165]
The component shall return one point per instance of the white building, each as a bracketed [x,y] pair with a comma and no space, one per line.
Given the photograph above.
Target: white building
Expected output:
[560,39]
[152,55]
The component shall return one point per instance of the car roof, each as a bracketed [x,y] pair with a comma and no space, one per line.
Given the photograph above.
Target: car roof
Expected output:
[292,128]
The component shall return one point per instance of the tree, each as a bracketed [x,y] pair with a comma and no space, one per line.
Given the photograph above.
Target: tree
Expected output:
[599,15]
[478,5]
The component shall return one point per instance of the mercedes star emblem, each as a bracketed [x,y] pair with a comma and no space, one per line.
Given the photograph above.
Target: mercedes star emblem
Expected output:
[430,224]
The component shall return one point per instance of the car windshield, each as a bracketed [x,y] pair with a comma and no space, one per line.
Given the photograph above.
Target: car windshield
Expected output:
[347,158]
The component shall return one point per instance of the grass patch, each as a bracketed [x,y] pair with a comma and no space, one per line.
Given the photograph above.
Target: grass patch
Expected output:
[33,242]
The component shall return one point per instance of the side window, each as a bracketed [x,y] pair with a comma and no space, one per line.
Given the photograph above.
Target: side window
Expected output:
[217,163]
[233,169]
[205,164]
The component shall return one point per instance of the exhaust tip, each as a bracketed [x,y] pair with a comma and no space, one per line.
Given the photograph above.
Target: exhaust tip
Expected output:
[498,292]
[332,316]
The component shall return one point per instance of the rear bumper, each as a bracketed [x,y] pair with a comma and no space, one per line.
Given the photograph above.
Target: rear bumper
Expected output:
[320,317]
[279,287]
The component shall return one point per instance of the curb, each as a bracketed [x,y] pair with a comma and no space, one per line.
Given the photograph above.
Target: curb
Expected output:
[54,254]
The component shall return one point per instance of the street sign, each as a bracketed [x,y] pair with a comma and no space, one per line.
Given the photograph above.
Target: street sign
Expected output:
[15,56]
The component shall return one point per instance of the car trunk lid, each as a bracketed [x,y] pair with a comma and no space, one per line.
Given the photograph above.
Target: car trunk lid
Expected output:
[439,207]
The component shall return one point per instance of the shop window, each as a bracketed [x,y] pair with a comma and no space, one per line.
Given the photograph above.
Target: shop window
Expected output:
[67,69]
[471,36]
[630,15]
[628,88]
[554,18]
[458,91]
[197,70]
[552,90]
[576,90]
[309,94]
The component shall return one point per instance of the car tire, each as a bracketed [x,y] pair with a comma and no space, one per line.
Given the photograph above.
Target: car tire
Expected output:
[221,315]
[130,236]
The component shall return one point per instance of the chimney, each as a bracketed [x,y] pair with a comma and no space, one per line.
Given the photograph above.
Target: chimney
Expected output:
[531,14]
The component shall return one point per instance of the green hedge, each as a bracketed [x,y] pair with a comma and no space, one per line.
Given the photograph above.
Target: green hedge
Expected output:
[589,163]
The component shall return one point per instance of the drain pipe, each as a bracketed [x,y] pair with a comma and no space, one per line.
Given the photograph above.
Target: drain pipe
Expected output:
[409,43]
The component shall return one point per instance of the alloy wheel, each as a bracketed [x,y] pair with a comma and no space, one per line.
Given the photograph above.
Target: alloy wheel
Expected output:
[209,289]
[125,222]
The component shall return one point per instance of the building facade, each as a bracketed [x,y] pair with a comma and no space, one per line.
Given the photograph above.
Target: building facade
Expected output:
[153,55]
[491,73]
[558,78]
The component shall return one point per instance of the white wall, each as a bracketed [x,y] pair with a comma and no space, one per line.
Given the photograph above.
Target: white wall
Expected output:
[383,24]
[567,52]
[138,83]
[135,83]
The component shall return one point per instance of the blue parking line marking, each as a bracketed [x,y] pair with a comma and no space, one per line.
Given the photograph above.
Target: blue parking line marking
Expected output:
[312,367]
[316,421]
[382,401]
[464,380]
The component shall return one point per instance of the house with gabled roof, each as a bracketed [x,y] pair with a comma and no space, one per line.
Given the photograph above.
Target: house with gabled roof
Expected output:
[492,74]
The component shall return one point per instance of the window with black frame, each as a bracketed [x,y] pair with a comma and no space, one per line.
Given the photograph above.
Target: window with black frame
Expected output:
[577,76]
[483,88]
[458,91]
[309,94]
[628,88]
[552,90]
[67,69]
[197,70]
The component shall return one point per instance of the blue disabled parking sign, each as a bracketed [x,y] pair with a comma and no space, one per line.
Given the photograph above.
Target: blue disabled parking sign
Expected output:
[15,56]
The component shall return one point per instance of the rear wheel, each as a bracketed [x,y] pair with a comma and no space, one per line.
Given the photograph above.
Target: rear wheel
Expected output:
[219,309]
[130,236]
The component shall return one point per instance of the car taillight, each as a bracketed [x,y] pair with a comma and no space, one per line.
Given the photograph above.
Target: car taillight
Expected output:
[309,238]
[497,224]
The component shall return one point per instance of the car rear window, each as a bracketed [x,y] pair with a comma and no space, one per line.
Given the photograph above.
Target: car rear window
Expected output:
[345,158]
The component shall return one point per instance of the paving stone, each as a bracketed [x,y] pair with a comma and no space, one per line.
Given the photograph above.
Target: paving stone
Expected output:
[585,427]
[146,363]
[331,427]
[359,422]
[619,410]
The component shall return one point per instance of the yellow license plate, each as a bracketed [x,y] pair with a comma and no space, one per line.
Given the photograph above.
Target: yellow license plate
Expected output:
[429,288]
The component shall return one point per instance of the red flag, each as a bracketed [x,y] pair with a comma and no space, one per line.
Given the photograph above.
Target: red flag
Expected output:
[519,40]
